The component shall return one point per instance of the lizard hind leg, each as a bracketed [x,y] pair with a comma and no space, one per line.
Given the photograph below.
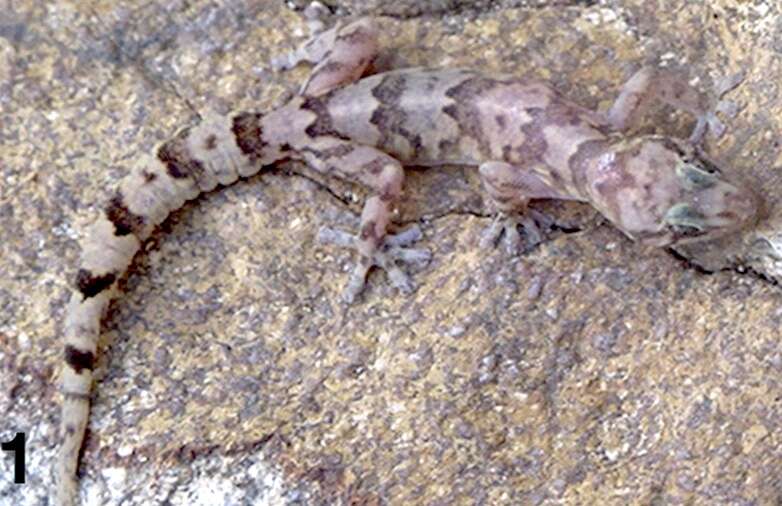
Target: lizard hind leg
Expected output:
[384,175]
[510,189]
[340,54]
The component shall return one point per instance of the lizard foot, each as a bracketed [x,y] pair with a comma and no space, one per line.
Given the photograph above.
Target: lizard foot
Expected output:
[390,253]
[506,225]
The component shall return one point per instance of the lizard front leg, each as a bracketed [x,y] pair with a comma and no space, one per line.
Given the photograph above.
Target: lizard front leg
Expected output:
[376,248]
[510,189]
[650,84]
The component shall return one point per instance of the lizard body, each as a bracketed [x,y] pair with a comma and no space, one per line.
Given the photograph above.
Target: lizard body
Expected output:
[527,140]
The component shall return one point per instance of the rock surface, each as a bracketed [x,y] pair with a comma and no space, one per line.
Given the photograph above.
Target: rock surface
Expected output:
[588,370]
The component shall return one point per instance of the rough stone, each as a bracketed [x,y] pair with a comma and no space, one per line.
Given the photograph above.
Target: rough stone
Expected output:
[589,370]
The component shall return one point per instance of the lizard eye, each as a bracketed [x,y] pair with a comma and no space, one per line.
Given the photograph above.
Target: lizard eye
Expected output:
[698,176]
[683,218]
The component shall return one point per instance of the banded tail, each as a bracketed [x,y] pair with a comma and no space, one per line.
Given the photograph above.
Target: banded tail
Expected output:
[220,150]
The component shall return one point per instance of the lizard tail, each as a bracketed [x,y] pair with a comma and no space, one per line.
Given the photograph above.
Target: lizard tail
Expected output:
[220,150]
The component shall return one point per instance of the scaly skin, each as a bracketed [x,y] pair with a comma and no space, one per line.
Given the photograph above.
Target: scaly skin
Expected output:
[527,140]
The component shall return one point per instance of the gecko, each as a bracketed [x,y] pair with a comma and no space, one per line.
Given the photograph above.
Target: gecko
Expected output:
[526,140]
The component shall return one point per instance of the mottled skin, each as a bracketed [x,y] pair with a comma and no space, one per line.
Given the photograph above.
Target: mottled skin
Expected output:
[527,140]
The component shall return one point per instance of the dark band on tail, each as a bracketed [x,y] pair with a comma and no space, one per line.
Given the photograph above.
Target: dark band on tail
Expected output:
[90,285]
[125,222]
[176,156]
[79,360]
[249,134]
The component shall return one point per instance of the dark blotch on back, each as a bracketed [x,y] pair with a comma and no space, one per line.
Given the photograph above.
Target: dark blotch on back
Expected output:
[470,88]
[79,360]
[90,285]
[390,89]
[465,112]
[177,158]
[322,124]
[534,147]
[392,120]
[125,222]
[249,133]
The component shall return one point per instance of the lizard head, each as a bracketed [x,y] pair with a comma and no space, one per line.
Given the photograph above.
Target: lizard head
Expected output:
[665,192]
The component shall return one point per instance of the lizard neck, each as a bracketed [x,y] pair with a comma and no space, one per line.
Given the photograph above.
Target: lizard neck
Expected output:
[584,161]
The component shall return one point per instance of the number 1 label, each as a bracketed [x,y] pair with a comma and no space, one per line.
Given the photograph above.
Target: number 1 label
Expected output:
[16,445]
